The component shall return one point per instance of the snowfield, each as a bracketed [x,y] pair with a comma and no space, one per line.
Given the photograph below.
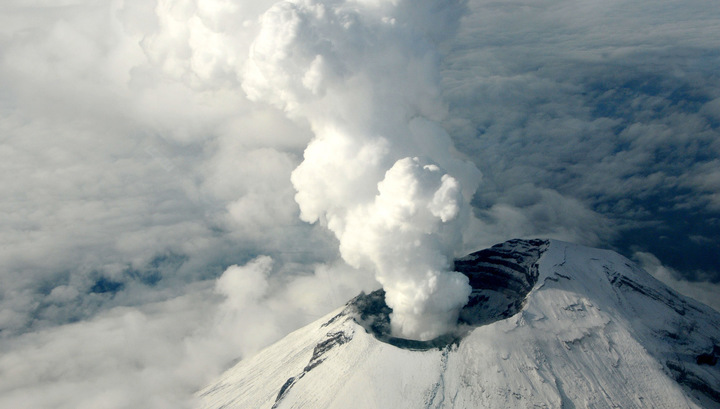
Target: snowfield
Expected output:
[594,331]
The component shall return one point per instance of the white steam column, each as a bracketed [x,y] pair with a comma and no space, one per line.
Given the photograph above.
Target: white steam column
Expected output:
[380,172]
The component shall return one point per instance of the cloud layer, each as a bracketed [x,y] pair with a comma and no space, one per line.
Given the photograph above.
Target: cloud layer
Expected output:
[585,115]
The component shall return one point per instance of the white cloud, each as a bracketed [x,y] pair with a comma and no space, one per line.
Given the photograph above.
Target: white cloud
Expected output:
[703,291]
[158,354]
[111,160]
[607,104]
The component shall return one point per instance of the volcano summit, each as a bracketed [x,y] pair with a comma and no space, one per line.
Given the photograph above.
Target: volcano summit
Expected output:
[549,325]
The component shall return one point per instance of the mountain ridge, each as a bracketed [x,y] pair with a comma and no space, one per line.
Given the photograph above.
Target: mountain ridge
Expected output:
[566,326]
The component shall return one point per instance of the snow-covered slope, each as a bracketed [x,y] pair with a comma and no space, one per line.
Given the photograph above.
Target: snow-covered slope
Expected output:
[549,325]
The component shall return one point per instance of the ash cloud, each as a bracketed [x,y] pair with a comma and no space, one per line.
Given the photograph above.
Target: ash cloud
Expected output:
[379,173]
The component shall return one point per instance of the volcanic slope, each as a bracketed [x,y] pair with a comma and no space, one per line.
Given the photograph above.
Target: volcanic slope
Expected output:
[549,325]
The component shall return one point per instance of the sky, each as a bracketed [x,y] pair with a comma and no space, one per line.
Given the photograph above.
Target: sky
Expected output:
[156,193]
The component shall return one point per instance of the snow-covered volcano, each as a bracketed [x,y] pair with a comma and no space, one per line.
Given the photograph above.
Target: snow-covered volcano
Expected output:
[549,325]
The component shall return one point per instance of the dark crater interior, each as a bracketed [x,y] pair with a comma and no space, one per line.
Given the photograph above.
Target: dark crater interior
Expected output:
[501,277]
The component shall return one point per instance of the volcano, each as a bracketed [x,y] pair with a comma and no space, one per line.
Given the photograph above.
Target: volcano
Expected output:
[549,324]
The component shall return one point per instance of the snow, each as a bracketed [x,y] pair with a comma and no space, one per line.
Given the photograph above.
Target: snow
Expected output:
[595,331]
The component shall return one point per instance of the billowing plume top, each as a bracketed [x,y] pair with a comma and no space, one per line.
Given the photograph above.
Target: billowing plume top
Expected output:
[380,172]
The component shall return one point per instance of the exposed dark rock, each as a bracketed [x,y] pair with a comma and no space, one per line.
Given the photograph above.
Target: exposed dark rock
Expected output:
[622,282]
[707,359]
[688,378]
[501,277]
[372,313]
[283,390]
[333,339]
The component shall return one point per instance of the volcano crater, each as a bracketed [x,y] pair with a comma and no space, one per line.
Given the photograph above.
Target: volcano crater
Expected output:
[501,278]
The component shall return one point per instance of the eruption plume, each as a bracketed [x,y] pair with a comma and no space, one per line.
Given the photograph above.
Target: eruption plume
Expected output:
[380,172]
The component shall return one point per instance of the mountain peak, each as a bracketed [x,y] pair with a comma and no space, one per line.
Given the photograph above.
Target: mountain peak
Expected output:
[549,324]
[501,277]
